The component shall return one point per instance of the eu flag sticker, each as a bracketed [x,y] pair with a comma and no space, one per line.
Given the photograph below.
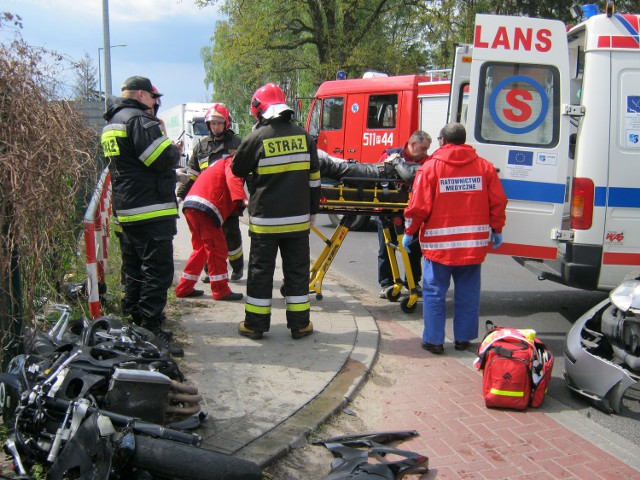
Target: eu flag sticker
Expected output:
[520,157]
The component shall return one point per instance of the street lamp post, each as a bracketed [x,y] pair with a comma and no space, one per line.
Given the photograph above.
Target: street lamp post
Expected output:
[100,71]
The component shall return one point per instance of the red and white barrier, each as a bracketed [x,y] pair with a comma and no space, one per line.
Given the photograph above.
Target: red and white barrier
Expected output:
[96,240]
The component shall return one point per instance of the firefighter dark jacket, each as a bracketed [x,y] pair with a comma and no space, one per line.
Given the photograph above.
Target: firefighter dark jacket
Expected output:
[141,163]
[206,153]
[285,185]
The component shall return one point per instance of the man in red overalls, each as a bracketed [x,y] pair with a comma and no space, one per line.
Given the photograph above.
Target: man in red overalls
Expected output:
[213,197]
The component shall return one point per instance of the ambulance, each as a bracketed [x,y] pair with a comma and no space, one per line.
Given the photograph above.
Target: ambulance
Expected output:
[556,109]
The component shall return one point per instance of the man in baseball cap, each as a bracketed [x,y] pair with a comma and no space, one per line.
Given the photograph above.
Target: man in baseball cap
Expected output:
[140,83]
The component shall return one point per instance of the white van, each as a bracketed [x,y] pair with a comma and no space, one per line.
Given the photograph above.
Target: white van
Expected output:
[557,111]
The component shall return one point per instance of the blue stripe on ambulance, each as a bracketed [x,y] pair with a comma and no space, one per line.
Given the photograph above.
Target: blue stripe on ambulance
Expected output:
[533,191]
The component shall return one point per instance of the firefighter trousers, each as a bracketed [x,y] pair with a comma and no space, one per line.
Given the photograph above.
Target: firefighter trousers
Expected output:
[231,229]
[147,270]
[294,252]
[209,246]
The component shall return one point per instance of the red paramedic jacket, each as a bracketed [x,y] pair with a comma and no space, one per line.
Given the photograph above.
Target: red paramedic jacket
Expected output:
[216,191]
[456,201]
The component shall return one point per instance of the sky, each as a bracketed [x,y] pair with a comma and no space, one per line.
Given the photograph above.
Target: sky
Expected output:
[163,39]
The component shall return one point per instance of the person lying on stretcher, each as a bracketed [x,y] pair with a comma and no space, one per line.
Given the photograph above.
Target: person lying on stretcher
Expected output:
[394,168]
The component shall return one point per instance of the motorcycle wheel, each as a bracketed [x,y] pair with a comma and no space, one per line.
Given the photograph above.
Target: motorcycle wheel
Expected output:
[169,459]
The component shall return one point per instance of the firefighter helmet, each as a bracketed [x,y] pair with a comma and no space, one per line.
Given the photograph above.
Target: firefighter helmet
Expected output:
[268,102]
[218,113]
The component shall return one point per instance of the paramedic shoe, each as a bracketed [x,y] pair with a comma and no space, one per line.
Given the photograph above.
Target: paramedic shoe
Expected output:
[247,332]
[205,279]
[192,294]
[383,292]
[298,333]
[236,275]
[232,297]
[460,346]
[435,349]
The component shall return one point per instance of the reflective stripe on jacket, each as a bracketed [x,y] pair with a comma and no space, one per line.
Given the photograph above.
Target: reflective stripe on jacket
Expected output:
[141,164]
[216,192]
[285,185]
[457,200]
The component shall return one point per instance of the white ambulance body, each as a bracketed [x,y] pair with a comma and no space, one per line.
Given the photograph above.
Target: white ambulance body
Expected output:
[558,113]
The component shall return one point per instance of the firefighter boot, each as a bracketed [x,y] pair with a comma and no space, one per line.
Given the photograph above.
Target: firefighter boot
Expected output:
[298,333]
[247,332]
[236,275]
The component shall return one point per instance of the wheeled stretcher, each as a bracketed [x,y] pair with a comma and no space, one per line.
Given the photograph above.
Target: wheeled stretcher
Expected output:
[382,197]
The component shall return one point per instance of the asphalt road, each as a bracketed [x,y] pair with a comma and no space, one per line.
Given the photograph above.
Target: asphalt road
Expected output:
[511,296]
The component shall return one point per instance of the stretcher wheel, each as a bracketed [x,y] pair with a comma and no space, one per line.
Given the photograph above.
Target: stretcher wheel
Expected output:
[393,297]
[404,305]
[282,292]
[318,296]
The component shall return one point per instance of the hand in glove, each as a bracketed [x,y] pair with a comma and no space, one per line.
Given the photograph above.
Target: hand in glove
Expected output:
[312,219]
[496,238]
[406,241]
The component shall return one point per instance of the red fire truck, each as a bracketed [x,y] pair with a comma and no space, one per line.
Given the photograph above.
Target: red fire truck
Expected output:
[360,118]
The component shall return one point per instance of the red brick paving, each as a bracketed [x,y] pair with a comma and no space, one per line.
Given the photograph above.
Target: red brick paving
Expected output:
[465,440]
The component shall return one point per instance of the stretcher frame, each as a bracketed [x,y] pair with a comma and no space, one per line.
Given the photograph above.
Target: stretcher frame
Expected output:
[382,197]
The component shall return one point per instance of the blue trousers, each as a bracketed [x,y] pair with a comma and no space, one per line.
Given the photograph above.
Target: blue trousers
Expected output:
[466,301]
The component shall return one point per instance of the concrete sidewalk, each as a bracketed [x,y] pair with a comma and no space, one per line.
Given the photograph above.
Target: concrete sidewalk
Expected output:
[264,397]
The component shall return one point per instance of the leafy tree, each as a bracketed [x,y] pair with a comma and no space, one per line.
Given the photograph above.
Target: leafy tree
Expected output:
[299,44]
[85,85]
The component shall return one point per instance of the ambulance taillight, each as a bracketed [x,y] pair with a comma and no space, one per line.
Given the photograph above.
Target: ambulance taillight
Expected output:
[582,197]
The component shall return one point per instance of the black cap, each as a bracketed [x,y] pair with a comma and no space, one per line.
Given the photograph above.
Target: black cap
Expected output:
[140,83]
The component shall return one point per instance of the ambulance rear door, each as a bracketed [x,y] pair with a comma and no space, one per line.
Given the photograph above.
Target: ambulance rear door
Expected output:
[518,86]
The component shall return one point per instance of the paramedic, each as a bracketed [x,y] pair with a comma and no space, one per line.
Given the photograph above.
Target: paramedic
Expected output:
[220,141]
[415,151]
[141,162]
[214,196]
[458,206]
[283,201]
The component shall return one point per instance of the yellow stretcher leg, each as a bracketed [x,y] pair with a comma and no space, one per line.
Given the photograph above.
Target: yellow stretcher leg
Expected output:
[329,252]
[407,304]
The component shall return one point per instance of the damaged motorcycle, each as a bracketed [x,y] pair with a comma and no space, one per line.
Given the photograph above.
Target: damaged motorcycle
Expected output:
[96,400]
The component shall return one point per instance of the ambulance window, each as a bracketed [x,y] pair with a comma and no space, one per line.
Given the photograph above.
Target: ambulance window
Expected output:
[382,111]
[332,113]
[518,104]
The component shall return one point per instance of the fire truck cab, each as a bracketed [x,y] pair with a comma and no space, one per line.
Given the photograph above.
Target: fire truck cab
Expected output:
[359,119]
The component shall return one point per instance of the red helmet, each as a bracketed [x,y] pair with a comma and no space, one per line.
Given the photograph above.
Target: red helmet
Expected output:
[218,113]
[269,95]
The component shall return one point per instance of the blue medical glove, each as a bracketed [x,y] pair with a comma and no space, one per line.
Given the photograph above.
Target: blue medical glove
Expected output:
[496,238]
[406,241]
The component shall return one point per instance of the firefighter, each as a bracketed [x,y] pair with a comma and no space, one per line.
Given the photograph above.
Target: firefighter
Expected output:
[141,162]
[220,141]
[284,199]
[215,194]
